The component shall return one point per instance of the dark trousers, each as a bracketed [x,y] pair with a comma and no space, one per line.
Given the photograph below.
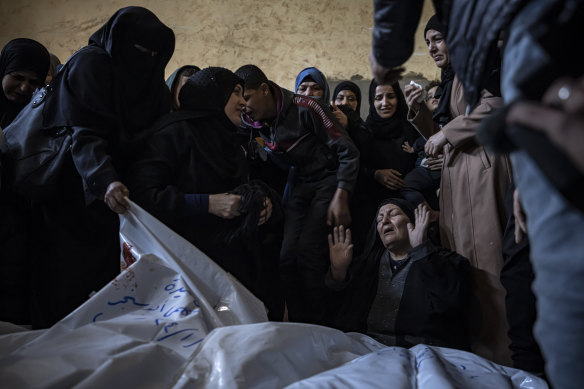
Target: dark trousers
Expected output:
[517,276]
[304,255]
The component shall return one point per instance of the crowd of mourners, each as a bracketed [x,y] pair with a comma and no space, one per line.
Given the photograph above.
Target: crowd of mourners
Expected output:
[399,225]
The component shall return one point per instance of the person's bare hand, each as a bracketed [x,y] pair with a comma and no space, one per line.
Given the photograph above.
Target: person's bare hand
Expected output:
[382,74]
[266,212]
[116,196]
[389,178]
[340,115]
[412,93]
[224,205]
[435,144]
[520,218]
[560,116]
[407,148]
[435,163]
[418,232]
[340,252]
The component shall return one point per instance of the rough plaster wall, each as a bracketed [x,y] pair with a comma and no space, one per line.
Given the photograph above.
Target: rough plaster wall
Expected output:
[280,36]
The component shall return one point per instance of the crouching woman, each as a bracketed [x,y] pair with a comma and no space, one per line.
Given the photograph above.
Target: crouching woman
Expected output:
[403,290]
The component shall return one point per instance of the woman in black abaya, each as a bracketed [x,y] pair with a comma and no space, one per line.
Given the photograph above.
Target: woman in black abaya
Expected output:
[190,170]
[108,93]
[23,66]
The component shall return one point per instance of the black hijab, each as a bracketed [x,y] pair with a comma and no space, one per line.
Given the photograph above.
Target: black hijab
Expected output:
[442,115]
[394,127]
[18,55]
[111,83]
[204,97]
[349,85]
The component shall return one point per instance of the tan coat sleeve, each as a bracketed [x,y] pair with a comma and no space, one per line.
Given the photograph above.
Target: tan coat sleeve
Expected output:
[461,130]
[422,121]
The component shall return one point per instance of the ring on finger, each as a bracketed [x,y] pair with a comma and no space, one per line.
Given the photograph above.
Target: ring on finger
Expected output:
[564,92]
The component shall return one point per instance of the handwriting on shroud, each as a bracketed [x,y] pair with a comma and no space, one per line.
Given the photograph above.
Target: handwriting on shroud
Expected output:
[177,303]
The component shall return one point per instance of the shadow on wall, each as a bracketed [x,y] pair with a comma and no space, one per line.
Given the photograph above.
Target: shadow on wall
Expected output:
[364,86]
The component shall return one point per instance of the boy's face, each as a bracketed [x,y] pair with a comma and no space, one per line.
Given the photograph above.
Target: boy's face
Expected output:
[257,102]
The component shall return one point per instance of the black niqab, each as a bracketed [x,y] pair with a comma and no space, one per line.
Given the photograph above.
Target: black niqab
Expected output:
[111,83]
[20,54]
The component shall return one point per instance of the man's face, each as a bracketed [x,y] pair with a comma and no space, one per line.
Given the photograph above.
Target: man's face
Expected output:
[310,88]
[437,48]
[257,102]
[392,226]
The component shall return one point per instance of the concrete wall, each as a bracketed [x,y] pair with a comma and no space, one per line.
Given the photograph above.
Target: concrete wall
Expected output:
[280,36]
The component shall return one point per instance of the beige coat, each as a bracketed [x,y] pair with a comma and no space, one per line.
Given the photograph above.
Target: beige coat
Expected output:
[472,213]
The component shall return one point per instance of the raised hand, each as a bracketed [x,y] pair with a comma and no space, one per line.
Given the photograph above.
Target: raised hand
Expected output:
[340,115]
[418,232]
[340,252]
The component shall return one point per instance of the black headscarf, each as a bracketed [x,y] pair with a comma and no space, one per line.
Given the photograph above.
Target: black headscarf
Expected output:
[373,245]
[111,83]
[444,91]
[205,95]
[394,127]
[349,85]
[18,55]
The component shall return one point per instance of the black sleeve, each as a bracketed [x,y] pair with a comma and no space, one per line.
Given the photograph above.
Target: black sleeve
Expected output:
[91,154]
[395,23]
[153,179]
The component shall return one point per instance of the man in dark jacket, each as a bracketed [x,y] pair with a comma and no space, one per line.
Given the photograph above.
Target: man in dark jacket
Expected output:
[303,133]
[403,290]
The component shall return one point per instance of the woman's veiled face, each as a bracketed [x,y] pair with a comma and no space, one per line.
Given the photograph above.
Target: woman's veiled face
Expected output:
[310,88]
[19,86]
[385,101]
[347,98]
[235,105]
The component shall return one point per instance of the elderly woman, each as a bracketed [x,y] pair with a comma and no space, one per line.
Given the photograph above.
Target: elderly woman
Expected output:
[108,94]
[403,290]
[191,171]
